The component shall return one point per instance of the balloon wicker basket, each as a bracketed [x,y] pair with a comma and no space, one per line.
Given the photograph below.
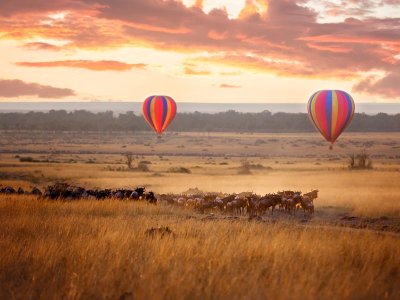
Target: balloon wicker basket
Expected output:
[330,147]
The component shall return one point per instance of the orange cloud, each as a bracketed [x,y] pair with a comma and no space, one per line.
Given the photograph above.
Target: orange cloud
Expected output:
[387,86]
[282,68]
[283,38]
[41,46]
[229,86]
[332,48]
[17,88]
[191,71]
[103,65]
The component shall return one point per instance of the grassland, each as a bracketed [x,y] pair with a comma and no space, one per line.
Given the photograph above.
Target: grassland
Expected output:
[100,250]
[350,249]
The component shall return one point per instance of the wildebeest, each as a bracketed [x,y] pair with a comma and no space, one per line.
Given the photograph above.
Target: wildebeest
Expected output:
[312,195]
[232,203]
[36,191]
[307,205]
[237,205]
[151,198]
[8,190]
[268,201]
[252,204]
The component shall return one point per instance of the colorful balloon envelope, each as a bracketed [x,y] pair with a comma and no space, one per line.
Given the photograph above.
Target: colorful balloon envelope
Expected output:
[331,111]
[159,111]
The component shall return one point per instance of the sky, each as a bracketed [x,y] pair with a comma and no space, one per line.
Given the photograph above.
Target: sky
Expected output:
[198,50]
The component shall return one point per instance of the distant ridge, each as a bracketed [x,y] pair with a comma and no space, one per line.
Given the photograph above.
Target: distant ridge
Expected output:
[122,107]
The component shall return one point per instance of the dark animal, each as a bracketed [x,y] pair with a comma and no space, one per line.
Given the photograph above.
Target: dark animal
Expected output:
[312,195]
[36,191]
[151,198]
[9,190]
[307,205]
[252,205]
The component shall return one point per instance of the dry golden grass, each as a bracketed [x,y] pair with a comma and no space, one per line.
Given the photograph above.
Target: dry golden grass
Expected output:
[366,193]
[99,250]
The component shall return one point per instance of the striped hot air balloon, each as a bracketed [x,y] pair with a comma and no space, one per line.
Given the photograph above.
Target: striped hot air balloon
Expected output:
[159,111]
[331,111]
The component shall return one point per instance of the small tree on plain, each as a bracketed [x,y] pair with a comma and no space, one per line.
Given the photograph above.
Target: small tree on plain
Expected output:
[129,159]
[352,161]
[360,161]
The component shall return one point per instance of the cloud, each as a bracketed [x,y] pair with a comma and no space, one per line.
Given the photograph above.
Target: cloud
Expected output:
[102,65]
[18,88]
[387,86]
[191,71]
[14,7]
[284,38]
[279,67]
[229,86]
[41,46]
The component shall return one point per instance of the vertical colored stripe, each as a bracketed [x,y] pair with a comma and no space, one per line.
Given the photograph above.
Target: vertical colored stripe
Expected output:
[147,113]
[153,113]
[350,112]
[342,112]
[171,111]
[312,110]
[320,113]
[168,115]
[165,111]
[334,115]
[158,109]
[329,116]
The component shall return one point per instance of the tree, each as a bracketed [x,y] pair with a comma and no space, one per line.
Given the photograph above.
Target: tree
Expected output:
[129,159]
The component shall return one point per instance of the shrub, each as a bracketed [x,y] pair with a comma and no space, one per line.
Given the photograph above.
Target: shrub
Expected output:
[360,161]
[179,170]
[26,159]
[244,169]
[143,167]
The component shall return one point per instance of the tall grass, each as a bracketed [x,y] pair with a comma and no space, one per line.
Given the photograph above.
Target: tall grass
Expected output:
[99,250]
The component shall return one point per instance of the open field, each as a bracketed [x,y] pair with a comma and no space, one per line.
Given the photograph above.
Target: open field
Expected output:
[100,250]
[94,249]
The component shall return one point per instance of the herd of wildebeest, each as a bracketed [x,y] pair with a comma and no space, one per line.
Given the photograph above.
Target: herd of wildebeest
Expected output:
[243,203]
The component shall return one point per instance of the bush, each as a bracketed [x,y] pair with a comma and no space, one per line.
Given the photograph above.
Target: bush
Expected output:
[179,170]
[26,159]
[143,167]
[245,168]
[360,161]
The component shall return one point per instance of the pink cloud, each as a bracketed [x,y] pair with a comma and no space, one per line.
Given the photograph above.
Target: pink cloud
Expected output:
[387,86]
[18,88]
[229,86]
[286,39]
[41,46]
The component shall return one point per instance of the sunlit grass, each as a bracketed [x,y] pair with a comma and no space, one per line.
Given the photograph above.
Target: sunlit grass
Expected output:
[92,249]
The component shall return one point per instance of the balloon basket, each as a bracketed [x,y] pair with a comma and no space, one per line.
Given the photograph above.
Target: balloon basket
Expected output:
[331,147]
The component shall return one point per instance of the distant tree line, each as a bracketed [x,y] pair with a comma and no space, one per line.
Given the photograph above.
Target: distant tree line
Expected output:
[230,121]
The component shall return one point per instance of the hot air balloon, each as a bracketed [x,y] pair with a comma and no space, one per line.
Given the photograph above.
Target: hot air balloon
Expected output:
[331,111]
[159,111]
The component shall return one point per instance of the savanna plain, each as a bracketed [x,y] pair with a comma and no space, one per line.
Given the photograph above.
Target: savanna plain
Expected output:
[90,249]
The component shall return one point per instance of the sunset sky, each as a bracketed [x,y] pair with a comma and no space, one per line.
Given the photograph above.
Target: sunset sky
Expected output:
[198,51]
